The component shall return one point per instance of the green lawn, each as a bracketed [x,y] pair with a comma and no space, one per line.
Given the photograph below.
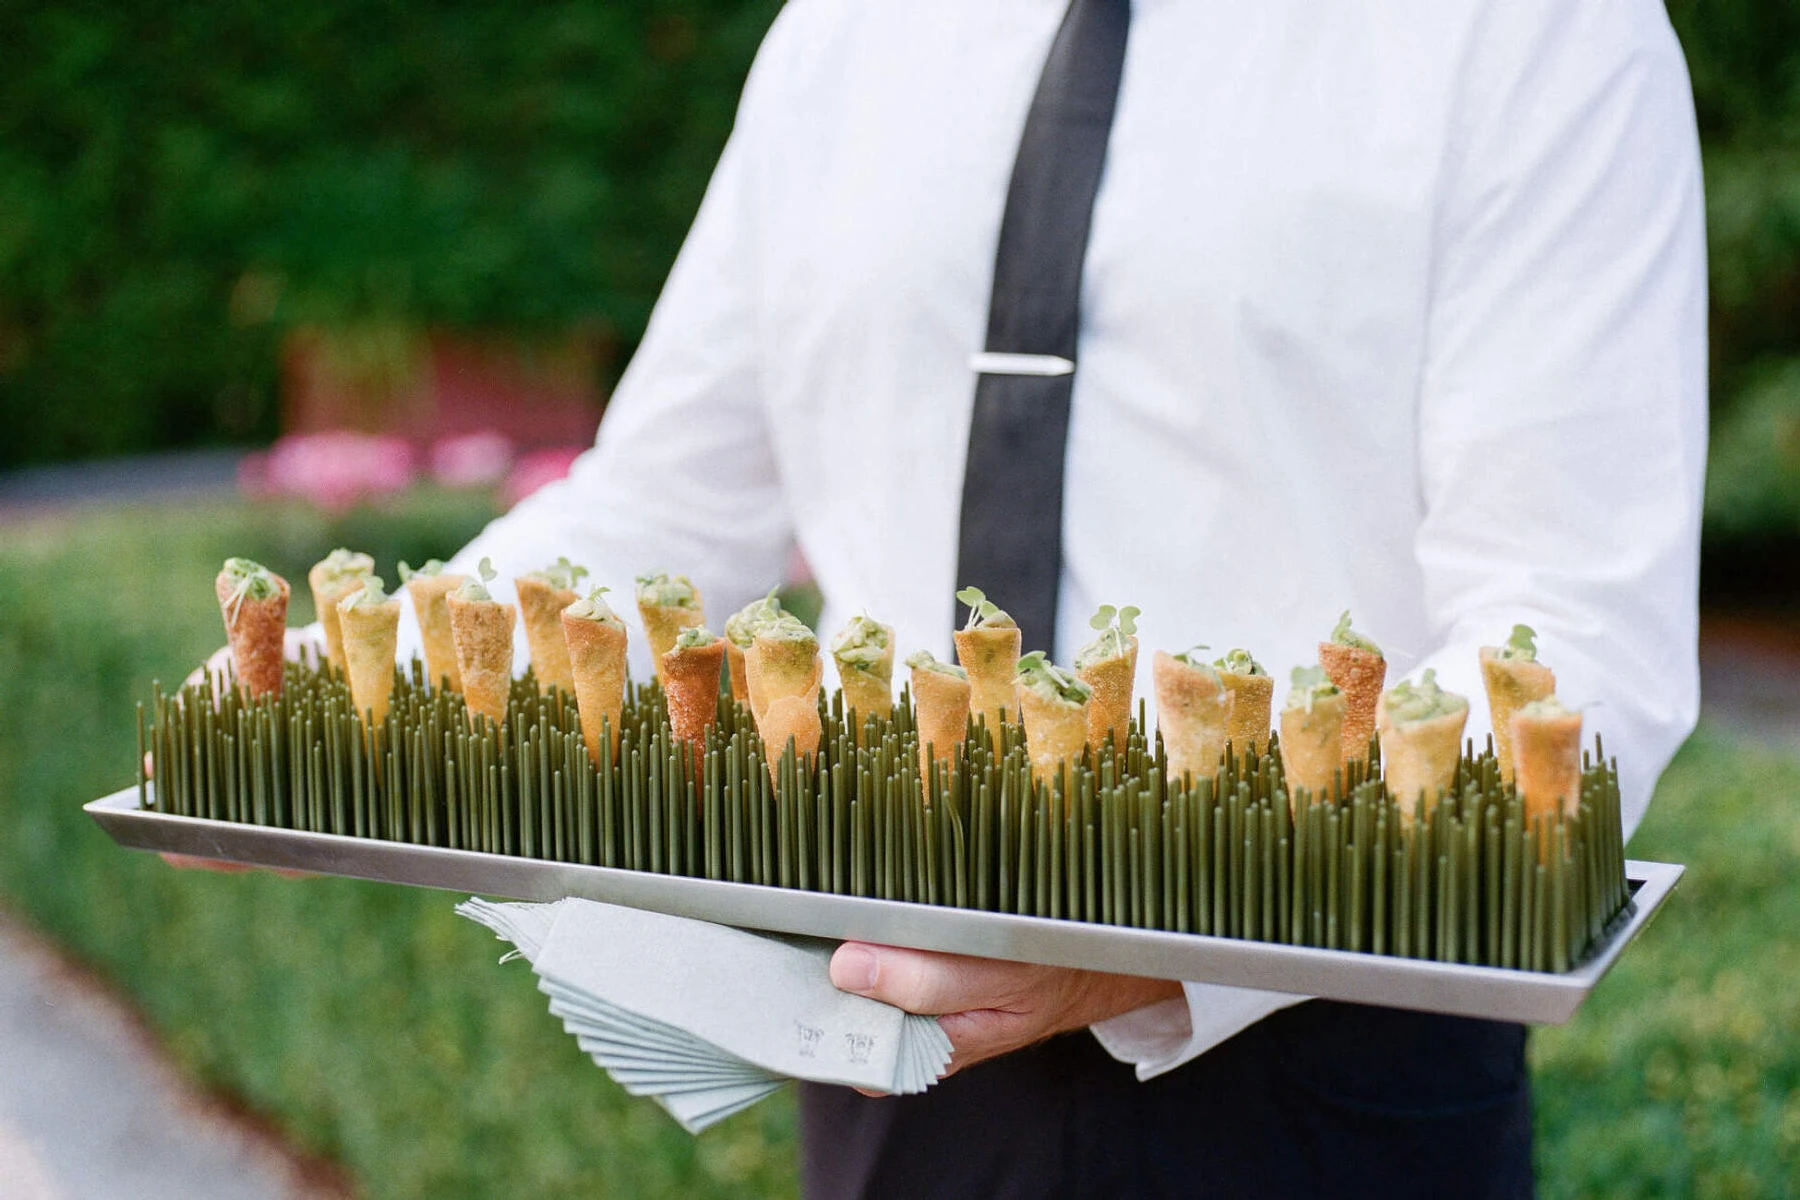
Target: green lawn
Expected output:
[375,1027]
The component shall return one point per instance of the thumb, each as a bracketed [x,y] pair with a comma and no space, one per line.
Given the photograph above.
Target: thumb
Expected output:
[920,981]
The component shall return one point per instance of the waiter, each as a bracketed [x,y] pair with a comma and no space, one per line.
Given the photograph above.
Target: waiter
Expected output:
[1240,313]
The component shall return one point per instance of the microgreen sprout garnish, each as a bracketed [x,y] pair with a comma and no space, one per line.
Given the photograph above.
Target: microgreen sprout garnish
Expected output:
[663,590]
[1116,626]
[1521,646]
[561,574]
[1050,681]
[924,660]
[693,637]
[1343,635]
[372,594]
[1192,656]
[433,566]
[1238,662]
[250,580]
[742,626]
[1310,685]
[1407,702]
[983,613]
[475,586]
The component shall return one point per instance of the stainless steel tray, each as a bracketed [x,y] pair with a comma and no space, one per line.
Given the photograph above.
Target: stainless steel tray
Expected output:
[1529,996]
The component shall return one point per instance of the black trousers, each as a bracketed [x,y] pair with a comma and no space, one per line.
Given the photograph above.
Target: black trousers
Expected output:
[1320,1100]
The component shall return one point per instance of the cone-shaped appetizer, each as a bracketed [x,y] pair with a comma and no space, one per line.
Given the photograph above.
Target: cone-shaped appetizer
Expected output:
[1193,711]
[667,604]
[941,696]
[691,668]
[1546,739]
[482,628]
[370,621]
[254,600]
[1358,668]
[1421,728]
[1252,697]
[331,579]
[596,638]
[864,653]
[428,586]
[784,670]
[542,597]
[741,628]
[988,649]
[1513,678]
[1108,665]
[1053,704]
[1312,730]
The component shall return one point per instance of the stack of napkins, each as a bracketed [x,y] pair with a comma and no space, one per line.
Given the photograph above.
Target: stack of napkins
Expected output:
[705,1019]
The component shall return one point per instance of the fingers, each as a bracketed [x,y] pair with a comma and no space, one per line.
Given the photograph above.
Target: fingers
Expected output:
[920,981]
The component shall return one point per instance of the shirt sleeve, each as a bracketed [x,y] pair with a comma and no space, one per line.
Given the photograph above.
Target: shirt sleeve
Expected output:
[1562,413]
[682,476]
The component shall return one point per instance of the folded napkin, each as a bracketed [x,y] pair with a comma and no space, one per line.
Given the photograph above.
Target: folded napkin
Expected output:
[706,1019]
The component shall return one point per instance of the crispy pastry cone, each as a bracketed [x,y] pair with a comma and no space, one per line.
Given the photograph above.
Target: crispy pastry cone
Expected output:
[331,579]
[1109,709]
[1055,733]
[991,657]
[483,633]
[597,664]
[1252,698]
[784,675]
[1419,757]
[256,631]
[1360,675]
[942,701]
[663,623]
[870,690]
[1546,740]
[692,675]
[1511,684]
[739,672]
[541,605]
[428,592]
[1193,711]
[1312,744]
[370,632]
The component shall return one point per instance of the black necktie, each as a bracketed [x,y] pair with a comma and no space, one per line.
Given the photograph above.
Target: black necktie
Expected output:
[1011,541]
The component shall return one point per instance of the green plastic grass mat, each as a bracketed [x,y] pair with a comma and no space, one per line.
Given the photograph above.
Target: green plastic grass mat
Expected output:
[1468,878]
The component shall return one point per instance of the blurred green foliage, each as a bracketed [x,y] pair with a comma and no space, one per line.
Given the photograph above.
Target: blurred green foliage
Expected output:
[180,182]
[373,1025]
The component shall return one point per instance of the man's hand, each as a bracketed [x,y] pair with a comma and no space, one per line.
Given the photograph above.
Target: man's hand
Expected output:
[989,1007]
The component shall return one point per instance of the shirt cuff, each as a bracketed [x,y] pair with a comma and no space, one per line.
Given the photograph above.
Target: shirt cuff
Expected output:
[1162,1036]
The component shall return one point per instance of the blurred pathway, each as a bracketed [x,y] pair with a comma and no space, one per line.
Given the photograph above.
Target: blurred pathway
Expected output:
[179,475]
[89,1109]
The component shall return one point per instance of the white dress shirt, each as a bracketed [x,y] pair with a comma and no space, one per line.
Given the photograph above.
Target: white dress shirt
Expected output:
[1395,309]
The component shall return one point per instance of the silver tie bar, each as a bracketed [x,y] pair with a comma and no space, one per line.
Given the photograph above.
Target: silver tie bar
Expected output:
[993,362]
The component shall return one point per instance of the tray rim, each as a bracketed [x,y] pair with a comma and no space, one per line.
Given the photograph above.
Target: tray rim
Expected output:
[1495,993]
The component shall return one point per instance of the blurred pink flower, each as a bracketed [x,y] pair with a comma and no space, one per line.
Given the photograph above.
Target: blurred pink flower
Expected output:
[472,459]
[334,470]
[534,470]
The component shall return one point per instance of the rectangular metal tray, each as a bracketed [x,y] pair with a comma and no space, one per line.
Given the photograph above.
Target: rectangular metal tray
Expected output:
[1492,992]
